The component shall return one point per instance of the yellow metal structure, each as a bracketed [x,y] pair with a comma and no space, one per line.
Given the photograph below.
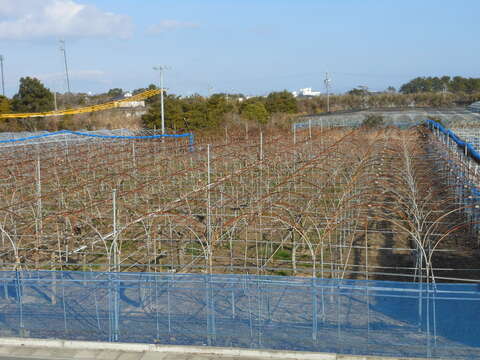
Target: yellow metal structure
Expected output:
[106,106]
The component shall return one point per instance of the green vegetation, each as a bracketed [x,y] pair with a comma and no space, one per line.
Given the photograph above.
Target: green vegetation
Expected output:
[456,84]
[194,249]
[4,105]
[281,102]
[32,96]
[255,111]
[373,121]
[357,92]
[189,113]
[283,254]
[116,92]
[200,113]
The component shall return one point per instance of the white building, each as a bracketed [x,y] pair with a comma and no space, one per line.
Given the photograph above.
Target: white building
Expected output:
[129,104]
[307,92]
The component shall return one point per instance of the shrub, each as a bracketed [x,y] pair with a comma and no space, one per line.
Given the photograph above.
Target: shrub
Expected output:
[373,121]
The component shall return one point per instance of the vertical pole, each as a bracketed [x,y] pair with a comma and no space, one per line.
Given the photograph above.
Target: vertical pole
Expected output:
[310,128]
[64,305]
[97,314]
[134,157]
[155,276]
[169,307]
[64,50]
[429,350]
[114,203]
[366,278]
[208,278]
[39,201]
[209,220]
[261,145]
[5,289]
[327,86]
[339,337]
[3,79]
[191,142]
[18,287]
[66,146]
[250,319]
[55,99]
[116,265]
[314,309]
[161,100]
[233,300]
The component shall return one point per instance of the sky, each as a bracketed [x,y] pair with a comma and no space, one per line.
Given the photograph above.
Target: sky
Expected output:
[249,46]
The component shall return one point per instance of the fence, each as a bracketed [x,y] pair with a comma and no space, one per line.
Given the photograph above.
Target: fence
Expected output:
[66,136]
[461,161]
[273,312]
[356,119]
[401,118]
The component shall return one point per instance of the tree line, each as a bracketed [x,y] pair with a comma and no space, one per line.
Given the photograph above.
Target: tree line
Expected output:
[196,112]
[189,113]
[457,85]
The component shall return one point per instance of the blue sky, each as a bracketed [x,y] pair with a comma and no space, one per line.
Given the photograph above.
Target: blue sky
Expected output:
[247,46]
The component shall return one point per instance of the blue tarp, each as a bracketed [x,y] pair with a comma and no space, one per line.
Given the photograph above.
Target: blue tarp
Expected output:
[382,318]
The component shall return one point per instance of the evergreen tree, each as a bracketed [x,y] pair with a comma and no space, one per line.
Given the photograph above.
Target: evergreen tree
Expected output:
[32,96]
[255,111]
[115,92]
[458,84]
[4,105]
[281,102]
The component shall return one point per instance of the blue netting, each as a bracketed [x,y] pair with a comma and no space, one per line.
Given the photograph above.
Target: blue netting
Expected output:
[190,137]
[470,149]
[273,312]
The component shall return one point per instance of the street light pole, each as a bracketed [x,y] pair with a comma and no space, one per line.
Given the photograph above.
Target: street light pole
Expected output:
[3,80]
[161,68]
[161,102]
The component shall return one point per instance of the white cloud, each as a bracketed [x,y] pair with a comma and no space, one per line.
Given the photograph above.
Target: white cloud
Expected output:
[28,19]
[167,25]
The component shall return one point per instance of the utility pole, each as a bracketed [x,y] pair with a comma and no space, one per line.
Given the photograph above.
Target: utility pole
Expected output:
[161,69]
[64,51]
[55,99]
[327,86]
[3,80]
